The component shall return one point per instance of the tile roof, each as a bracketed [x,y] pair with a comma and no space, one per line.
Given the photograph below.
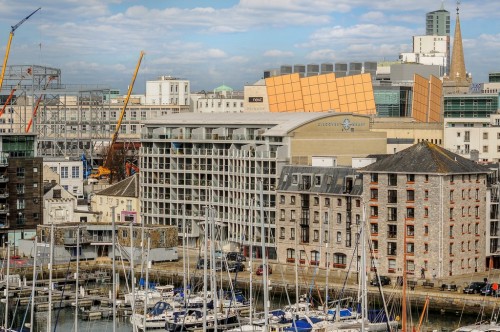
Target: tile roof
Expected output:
[125,188]
[425,157]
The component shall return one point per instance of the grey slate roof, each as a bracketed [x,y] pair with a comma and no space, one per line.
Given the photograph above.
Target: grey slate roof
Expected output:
[334,185]
[125,188]
[425,157]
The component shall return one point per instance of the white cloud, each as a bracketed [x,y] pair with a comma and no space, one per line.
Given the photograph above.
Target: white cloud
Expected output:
[322,55]
[278,53]
[372,16]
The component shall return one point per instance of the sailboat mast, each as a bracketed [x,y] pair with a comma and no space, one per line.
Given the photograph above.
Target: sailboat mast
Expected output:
[77,276]
[403,294]
[205,249]
[32,314]
[327,244]
[51,262]
[252,210]
[184,261]
[113,235]
[264,260]
[7,288]
[364,297]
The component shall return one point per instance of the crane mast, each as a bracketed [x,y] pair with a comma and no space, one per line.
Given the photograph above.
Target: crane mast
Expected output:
[109,155]
[7,49]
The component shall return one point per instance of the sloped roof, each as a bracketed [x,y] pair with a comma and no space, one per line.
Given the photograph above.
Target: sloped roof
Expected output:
[125,188]
[425,157]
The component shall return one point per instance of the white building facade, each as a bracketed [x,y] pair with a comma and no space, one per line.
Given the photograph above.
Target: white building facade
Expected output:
[167,90]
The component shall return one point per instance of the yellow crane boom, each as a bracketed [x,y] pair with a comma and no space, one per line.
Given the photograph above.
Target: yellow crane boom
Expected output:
[109,155]
[7,49]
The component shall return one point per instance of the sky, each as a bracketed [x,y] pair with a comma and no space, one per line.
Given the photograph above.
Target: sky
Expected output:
[215,42]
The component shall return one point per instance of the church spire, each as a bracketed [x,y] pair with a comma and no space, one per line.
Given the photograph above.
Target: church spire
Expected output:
[458,75]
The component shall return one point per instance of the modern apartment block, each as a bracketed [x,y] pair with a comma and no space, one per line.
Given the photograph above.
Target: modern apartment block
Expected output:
[319,213]
[426,207]
[190,162]
[21,187]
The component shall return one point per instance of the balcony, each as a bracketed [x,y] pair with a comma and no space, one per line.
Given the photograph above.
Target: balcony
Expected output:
[72,241]
[4,193]
[4,179]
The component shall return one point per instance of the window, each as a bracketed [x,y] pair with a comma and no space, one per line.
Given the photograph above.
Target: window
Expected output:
[392,179]
[451,249]
[358,203]
[292,234]
[485,135]
[326,217]
[485,148]
[373,229]
[410,230]
[391,263]
[292,215]
[410,248]
[374,194]
[339,202]
[315,256]
[451,213]
[35,169]
[373,211]
[410,195]
[290,255]
[282,214]
[64,172]
[295,178]
[316,216]
[282,232]
[317,180]
[426,194]
[392,196]
[339,218]
[375,245]
[476,211]
[339,260]
[476,229]
[392,249]
[374,177]
[20,188]
[326,238]
[20,204]
[392,231]
[392,214]
[327,201]
[339,237]
[292,200]
[426,212]
[410,177]
[20,172]
[316,200]
[426,177]
[426,230]
[282,199]
[426,247]
[477,194]
[410,213]
[358,219]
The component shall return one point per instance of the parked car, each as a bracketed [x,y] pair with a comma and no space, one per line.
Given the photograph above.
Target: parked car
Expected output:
[234,266]
[219,254]
[260,270]
[235,256]
[490,289]
[384,280]
[218,265]
[474,287]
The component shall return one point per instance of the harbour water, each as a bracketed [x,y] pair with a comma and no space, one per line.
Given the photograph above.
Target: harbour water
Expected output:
[63,320]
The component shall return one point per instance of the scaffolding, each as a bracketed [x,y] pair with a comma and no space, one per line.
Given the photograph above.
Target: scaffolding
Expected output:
[70,121]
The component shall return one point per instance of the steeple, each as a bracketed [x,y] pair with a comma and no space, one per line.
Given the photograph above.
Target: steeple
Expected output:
[458,75]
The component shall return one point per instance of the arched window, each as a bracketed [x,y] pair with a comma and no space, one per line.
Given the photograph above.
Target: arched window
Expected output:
[315,257]
[339,260]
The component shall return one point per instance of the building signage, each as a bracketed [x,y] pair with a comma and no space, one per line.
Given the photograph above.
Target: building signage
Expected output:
[255,99]
[346,124]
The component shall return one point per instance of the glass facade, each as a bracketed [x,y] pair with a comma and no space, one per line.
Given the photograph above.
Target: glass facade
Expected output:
[470,106]
[18,146]
[391,102]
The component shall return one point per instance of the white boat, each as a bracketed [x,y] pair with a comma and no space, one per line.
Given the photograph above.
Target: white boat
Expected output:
[155,317]
[152,295]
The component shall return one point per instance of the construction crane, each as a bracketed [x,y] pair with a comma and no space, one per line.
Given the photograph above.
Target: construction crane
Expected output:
[30,123]
[106,168]
[7,50]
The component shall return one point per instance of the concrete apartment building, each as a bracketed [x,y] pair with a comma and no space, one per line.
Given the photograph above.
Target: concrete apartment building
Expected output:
[431,213]
[190,161]
[319,213]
